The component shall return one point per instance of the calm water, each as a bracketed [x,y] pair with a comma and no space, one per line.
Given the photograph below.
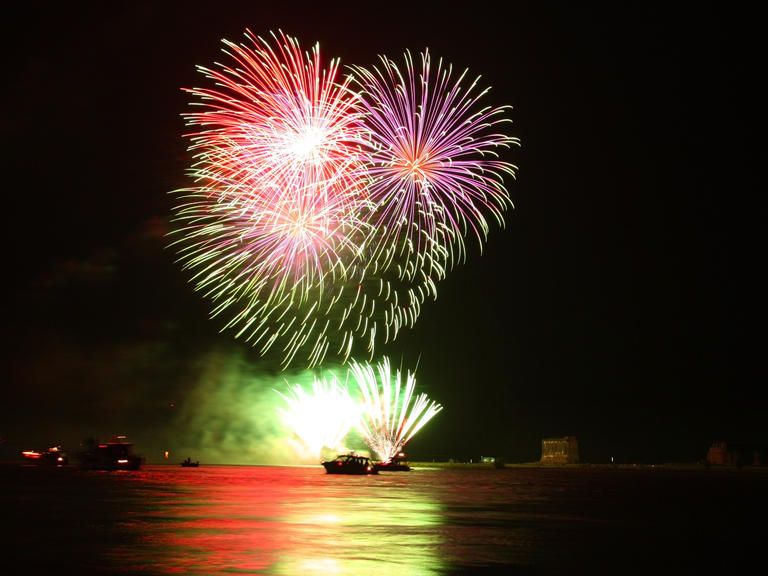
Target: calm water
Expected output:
[275,520]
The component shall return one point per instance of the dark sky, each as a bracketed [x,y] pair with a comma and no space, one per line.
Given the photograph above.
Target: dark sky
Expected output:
[602,310]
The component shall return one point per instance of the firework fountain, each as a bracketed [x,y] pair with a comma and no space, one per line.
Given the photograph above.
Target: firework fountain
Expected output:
[391,414]
[383,408]
[320,418]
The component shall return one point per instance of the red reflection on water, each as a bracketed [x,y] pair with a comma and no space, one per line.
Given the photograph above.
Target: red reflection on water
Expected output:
[210,519]
[284,520]
[219,520]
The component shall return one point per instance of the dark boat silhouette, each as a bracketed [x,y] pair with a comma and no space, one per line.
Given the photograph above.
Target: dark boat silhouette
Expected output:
[117,454]
[350,464]
[392,466]
[189,464]
[53,456]
[395,464]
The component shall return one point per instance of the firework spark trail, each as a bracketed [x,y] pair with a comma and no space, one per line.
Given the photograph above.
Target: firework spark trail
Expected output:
[321,219]
[277,150]
[321,418]
[270,228]
[391,416]
[279,124]
[352,311]
[434,163]
[271,232]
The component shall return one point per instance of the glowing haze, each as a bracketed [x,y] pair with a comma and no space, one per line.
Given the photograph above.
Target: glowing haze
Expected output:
[320,418]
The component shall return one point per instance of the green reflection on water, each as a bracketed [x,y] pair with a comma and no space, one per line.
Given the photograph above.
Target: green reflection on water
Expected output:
[363,535]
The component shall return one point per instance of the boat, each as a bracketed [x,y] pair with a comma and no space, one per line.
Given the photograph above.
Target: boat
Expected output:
[350,464]
[392,466]
[53,456]
[396,464]
[117,454]
[189,464]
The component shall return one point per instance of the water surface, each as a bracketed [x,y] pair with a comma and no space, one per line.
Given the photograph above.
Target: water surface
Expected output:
[299,520]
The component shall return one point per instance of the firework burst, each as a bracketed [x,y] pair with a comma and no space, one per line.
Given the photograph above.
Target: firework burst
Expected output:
[272,232]
[272,219]
[434,163]
[276,153]
[321,218]
[278,127]
[391,415]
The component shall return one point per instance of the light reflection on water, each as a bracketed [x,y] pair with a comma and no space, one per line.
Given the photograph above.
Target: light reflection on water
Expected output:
[299,520]
[283,520]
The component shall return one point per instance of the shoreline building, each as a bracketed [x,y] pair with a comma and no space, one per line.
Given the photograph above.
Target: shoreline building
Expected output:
[723,453]
[563,450]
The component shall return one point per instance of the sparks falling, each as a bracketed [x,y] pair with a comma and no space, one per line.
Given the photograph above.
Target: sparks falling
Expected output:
[434,167]
[268,228]
[391,415]
[324,209]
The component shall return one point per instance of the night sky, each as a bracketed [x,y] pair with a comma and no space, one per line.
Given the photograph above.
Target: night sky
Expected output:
[602,310]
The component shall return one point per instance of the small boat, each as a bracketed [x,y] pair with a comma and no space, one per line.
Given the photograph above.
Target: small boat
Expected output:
[395,464]
[117,454]
[189,464]
[53,456]
[392,466]
[350,464]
